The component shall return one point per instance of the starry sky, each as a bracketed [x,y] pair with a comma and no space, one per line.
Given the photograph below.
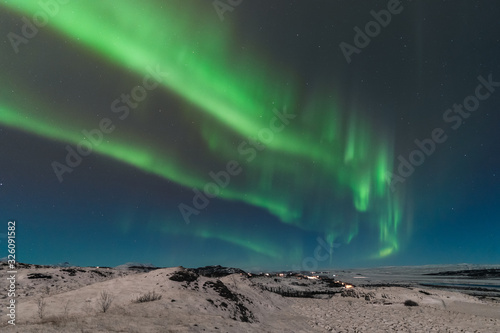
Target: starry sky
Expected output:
[258,134]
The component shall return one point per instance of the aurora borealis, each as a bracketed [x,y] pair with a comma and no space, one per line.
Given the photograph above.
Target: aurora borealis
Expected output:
[164,134]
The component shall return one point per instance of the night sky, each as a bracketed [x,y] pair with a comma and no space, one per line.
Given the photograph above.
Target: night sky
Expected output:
[257,134]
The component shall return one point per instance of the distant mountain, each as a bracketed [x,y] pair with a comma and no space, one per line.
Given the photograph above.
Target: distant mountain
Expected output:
[471,273]
[137,266]
[63,264]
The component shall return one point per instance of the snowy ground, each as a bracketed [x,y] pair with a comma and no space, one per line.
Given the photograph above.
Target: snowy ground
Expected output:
[236,303]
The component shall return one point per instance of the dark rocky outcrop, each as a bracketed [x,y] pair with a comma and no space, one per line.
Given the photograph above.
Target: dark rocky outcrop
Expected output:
[184,276]
[39,276]
[241,312]
[217,271]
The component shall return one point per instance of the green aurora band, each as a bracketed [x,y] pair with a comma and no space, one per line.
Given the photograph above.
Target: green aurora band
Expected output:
[324,152]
